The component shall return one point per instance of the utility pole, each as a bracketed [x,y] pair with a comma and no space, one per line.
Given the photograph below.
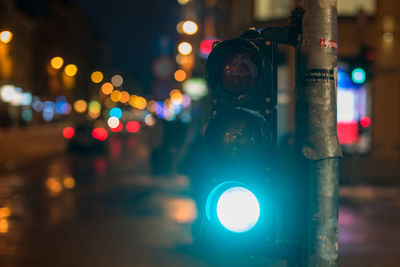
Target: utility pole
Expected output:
[316,138]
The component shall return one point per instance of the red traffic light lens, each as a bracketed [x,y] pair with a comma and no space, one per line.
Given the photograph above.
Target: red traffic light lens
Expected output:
[239,73]
[235,66]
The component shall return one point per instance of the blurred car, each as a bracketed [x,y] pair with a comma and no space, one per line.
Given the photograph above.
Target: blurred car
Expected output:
[85,138]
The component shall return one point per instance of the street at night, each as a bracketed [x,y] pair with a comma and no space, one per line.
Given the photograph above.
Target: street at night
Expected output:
[200,133]
[99,210]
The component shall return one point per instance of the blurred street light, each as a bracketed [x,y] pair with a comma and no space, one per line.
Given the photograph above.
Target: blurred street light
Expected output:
[57,63]
[107,88]
[80,106]
[183,2]
[189,27]
[180,75]
[138,102]
[185,48]
[6,36]
[117,80]
[97,77]
[71,70]
[124,97]
[116,96]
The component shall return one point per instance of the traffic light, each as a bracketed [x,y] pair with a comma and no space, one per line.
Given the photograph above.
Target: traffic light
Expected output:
[361,65]
[240,202]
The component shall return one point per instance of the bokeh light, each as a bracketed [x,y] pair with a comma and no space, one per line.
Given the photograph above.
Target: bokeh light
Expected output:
[54,186]
[185,48]
[68,132]
[118,128]
[115,96]
[57,63]
[71,70]
[26,99]
[365,122]
[124,97]
[196,88]
[179,27]
[176,97]
[107,88]
[115,112]
[180,75]
[94,109]
[69,182]
[97,76]
[149,120]
[206,46]
[132,126]
[117,80]
[113,122]
[80,106]
[100,134]
[7,92]
[181,210]
[6,37]
[183,2]
[37,105]
[48,110]
[138,102]
[189,27]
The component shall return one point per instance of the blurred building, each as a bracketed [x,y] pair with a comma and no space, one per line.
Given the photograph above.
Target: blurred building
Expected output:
[368,76]
[40,31]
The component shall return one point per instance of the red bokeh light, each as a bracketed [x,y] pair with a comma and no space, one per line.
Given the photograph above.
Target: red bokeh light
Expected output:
[100,134]
[206,46]
[365,121]
[118,128]
[132,126]
[68,132]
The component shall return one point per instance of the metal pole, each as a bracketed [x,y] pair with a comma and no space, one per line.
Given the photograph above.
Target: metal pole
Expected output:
[316,138]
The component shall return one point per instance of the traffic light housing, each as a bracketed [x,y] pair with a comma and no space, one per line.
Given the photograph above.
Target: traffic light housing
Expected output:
[240,203]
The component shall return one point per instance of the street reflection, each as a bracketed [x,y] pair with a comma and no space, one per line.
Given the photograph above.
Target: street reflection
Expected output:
[54,186]
[5,212]
[181,210]
[109,202]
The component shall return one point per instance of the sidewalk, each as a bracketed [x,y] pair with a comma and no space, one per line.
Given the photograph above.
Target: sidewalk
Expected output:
[24,145]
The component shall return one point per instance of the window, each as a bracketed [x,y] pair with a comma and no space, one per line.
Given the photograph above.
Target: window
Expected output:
[352,7]
[271,9]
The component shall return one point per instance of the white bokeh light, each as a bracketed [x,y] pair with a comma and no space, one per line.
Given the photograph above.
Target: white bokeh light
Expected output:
[113,122]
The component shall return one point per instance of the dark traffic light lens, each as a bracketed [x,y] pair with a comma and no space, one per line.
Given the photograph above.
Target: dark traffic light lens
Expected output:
[236,137]
[239,73]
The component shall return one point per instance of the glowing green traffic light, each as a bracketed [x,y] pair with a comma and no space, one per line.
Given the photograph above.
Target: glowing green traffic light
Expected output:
[358,75]
[238,209]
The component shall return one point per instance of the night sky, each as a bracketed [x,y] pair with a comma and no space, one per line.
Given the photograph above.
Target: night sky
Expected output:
[131,28]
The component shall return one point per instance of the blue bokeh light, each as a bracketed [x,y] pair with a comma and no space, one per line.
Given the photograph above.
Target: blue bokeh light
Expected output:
[116,112]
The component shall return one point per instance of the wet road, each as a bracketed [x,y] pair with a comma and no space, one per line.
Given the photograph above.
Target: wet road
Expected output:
[106,210]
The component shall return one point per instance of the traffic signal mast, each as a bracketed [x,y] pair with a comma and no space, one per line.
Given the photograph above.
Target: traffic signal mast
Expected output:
[243,204]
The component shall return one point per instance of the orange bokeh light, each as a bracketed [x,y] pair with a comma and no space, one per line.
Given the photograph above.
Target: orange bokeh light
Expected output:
[180,75]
